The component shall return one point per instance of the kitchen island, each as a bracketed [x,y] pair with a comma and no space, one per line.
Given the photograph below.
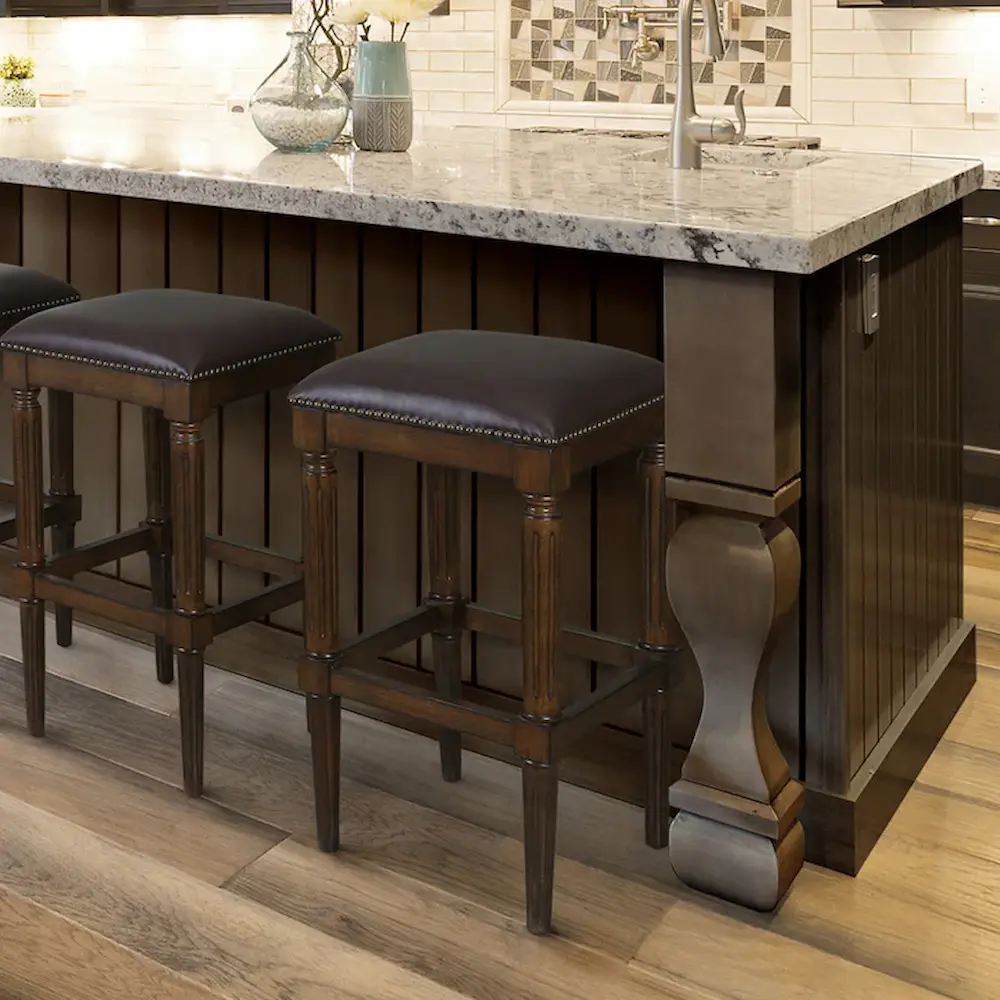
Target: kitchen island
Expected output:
[813,456]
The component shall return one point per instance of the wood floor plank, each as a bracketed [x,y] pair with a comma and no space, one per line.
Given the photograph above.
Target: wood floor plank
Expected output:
[234,947]
[987,648]
[948,821]
[593,829]
[260,773]
[46,957]
[962,770]
[726,956]
[468,948]
[130,809]
[912,944]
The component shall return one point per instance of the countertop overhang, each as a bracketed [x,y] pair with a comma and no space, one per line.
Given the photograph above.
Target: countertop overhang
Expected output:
[595,192]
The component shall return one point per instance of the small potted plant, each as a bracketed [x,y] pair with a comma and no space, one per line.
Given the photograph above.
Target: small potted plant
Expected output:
[382,101]
[14,70]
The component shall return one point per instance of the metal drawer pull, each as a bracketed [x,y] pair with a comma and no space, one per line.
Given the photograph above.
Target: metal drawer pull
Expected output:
[981,220]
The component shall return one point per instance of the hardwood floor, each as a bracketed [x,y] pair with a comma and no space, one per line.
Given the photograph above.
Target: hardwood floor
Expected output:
[114,885]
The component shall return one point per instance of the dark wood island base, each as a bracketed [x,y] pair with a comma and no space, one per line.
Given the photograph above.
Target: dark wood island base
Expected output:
[819,445]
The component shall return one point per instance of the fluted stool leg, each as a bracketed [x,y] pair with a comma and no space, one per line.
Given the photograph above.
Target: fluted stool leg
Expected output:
[320,608]
[156,446]
[61,485]
[27,417]
[187,460]
[658,517]
[541,538]
[444,551]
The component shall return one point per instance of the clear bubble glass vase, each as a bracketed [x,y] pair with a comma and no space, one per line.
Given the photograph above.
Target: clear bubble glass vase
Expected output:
[299,108]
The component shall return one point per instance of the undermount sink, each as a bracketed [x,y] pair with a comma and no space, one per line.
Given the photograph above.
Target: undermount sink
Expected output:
[744,157]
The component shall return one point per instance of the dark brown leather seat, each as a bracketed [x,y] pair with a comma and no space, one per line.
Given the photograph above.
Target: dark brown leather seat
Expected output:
[24,291]
[169,333]
[527,390]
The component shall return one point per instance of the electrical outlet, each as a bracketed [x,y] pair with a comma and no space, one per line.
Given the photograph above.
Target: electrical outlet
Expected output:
[982,94]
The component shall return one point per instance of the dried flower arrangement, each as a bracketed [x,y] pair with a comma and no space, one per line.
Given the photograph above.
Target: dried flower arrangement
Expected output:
[17,68]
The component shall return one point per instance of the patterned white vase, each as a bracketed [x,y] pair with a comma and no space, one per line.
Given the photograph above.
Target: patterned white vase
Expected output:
[382,101]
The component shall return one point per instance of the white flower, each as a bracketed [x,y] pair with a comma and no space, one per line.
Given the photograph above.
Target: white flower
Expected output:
[401,11]
[349,12]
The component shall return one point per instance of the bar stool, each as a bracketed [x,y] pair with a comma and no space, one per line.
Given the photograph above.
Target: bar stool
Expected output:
[24,292]
[537,411]
[180,355]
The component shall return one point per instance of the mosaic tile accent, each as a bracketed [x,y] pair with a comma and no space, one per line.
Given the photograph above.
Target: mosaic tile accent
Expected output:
[560,50]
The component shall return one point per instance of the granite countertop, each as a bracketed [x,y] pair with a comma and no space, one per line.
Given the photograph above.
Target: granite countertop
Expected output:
[791,211]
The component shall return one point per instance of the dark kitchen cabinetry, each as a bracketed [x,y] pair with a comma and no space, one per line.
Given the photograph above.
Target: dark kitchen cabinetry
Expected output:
[69,8]
[981,348]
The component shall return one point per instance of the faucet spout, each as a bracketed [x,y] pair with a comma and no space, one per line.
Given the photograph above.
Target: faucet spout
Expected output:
[689,129]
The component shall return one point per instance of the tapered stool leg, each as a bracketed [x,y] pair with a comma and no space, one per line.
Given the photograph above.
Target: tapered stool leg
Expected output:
[61,485]
[540,555]
[27,417]
[187,460]
[156,445]
[658,525]
[444,551]
[320,610]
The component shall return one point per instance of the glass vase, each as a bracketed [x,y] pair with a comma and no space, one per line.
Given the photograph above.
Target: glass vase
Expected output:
[382,101]
[299,108]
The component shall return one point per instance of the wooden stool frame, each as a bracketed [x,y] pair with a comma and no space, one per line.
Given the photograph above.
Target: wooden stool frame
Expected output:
[173,534]
[61,506]
[544,729]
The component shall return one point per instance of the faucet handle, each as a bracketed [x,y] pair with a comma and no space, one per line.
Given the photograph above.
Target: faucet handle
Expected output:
[741,115]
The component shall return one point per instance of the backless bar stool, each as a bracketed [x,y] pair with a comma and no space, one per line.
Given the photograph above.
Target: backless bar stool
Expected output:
[24,292]
[537,411]
[180,355]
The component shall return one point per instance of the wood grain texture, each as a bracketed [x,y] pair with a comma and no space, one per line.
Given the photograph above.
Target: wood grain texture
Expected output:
[47,957]
[131,810]
[235,948]
[725,957]
[417,926]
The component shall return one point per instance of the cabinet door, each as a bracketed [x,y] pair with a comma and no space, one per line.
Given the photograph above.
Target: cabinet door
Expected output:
[981,394]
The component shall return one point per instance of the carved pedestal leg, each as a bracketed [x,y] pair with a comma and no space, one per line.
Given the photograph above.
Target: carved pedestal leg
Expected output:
[61,485]
[732,582]
[320,612]
[444,550]
[187,454]
[542,535]
[156,444]
[658,526]
[27,414]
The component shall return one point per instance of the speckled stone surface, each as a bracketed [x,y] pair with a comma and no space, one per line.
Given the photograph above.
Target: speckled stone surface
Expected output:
[991,175]
[791,211]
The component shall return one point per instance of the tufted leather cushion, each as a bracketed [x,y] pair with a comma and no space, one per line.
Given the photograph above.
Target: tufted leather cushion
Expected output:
[169,333]
[532,390]
[24,291]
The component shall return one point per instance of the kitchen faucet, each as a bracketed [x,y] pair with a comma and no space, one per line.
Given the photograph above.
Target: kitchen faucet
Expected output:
[689,129]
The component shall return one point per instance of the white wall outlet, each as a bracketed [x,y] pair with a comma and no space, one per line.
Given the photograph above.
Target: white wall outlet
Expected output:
[982,94]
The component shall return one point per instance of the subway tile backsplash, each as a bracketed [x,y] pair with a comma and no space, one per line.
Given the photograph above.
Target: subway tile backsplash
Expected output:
[869,79]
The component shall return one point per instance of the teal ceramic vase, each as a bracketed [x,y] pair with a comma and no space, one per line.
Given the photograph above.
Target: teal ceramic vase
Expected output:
[382,101]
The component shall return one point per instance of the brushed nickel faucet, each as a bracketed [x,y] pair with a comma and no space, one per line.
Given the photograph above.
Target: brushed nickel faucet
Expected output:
[689,129]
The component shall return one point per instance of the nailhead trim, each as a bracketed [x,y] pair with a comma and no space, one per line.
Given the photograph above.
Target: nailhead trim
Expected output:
[161,372]
[439,425]
[39,306]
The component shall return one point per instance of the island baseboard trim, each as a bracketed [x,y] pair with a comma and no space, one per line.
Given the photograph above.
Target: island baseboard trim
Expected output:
[842,830]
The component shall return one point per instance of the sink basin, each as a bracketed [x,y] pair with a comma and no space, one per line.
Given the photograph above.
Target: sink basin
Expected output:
[744,157]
